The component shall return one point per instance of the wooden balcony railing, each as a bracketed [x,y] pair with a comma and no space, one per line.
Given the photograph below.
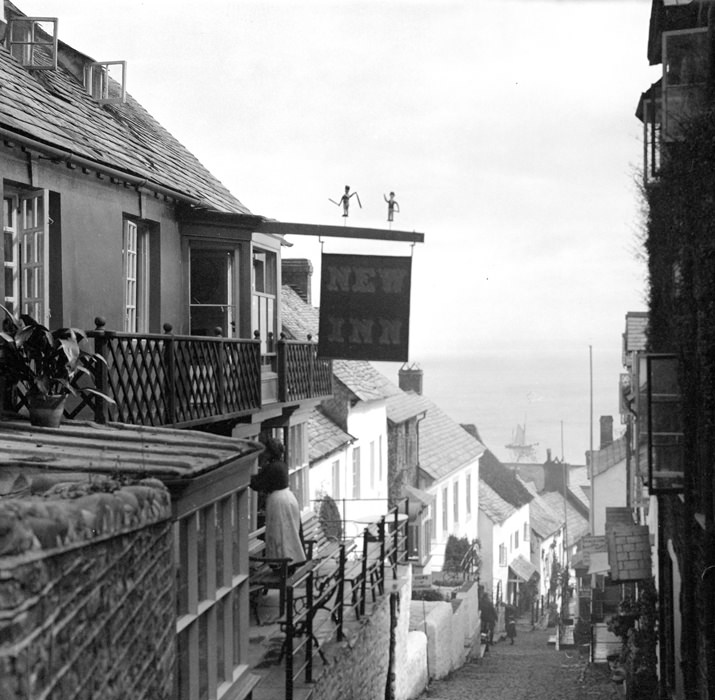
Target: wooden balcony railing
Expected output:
[189,381]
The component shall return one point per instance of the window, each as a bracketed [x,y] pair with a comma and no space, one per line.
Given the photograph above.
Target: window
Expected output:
[33,42]
[106,81]
[502,555]
[356,472]
[526,532]
[516,540]
[265,290]
[455,504]
[379,458]
[212,305]
[468,495]
[26,252]
[136,277]
[685,76]
[664,424]
[372,464]
[336,479]
[445,512]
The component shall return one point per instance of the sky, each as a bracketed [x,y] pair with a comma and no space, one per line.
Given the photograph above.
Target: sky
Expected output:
[506,129]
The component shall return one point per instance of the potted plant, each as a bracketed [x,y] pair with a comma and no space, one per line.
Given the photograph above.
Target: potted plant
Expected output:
[44,363]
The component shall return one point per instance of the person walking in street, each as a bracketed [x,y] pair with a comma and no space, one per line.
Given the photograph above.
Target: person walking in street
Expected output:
[510,621]
[488,615]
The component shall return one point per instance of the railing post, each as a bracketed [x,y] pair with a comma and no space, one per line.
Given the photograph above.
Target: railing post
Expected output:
[309,628]
[101,380]
[381,586]
[220,372]
[311,368]
[289,641]
[282,368]
[341,591]
[170,361]
[363,582]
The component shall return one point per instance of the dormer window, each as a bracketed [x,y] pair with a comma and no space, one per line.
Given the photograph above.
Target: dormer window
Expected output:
[33,41]
[105,81]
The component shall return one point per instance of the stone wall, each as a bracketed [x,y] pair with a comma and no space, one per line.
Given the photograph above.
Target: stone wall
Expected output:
[87,596]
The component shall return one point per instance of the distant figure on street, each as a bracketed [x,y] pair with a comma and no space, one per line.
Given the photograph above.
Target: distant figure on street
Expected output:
[283,526]
[510,621]
[488,616]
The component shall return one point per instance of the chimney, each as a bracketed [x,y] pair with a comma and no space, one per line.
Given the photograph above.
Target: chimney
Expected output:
[606,431]
[297,273]
[410,378]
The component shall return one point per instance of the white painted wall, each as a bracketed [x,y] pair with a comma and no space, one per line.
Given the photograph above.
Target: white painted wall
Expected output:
[609,491]
[444,522]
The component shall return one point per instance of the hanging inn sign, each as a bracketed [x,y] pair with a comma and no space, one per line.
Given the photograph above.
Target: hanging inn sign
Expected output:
[364,299]
[364,307]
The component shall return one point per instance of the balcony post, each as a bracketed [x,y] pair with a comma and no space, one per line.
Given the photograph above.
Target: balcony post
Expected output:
[220,371]
[282,368]
[101,381]
[311,368]
[170,361]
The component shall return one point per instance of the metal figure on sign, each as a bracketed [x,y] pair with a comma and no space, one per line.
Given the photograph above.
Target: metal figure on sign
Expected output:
[345,200]
[392,206]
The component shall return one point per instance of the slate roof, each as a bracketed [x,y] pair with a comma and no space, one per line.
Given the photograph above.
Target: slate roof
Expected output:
[609,456]
[405,405]
[445,446]
[324,436]
[504,481]
[298,318]
[543,519]
[576,525]
[52,107]
[493,505]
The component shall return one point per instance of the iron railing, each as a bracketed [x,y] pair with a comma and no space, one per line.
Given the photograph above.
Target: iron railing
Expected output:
[319,593]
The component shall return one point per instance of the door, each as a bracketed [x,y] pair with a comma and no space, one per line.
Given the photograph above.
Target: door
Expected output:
[212,300]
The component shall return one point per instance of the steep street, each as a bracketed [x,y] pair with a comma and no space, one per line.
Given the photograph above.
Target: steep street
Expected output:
[530,669]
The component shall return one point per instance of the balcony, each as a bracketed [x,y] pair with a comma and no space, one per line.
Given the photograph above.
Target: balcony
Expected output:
[183,381]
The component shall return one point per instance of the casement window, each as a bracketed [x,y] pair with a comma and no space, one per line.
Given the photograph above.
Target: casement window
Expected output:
[26,253]
[372,464]
[265,290]
[106,81]
[336,479]
[661,422]
[33,42]
[502,555]
[468,495]
[685,76]
[135,251]
[212,304]
[356,472]
[455,503]
[516,540]
[379,458]
[445,510]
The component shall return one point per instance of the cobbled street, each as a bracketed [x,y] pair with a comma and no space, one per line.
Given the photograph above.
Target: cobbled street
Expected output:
[530,669]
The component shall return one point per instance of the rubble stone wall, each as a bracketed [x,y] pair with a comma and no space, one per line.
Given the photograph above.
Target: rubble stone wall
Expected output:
[93,616]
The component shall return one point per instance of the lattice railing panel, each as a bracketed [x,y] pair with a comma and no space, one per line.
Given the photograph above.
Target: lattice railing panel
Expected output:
[136,378]
[304,375]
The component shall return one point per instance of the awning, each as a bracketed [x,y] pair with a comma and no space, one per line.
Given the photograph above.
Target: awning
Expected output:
[419,500]
[598,563]
[523,568]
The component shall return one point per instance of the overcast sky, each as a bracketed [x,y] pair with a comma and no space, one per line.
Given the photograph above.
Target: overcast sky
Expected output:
[506,129]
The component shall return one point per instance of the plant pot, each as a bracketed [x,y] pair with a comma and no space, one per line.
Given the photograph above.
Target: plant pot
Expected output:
[46,411]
